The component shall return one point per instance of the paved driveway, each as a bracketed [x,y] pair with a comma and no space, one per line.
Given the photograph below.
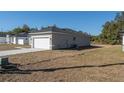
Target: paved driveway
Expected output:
[18,51]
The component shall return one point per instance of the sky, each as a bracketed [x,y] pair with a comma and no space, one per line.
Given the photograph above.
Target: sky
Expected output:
[90,22]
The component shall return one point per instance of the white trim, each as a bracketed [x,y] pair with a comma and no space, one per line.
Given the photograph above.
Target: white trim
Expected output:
[35,33]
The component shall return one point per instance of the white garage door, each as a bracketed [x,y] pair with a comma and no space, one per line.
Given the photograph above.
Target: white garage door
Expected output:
[42,42]
[20,41]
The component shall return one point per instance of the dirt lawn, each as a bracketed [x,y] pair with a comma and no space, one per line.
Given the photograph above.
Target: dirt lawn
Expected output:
[103,63]
[11,46]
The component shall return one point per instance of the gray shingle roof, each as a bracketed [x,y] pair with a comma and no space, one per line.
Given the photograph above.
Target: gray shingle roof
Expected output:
[20,35]
[56,29]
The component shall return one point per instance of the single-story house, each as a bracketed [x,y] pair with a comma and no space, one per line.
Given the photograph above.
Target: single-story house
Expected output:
[2,38]
[21,39]
[52,37]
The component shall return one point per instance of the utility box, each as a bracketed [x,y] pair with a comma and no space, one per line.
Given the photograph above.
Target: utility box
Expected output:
[3,62]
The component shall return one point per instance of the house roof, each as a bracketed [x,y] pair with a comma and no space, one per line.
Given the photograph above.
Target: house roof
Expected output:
[2,35]
[20,35]
[56,29]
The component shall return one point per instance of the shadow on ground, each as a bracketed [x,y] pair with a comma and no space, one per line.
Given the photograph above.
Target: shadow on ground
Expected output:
[83,47]
[29,71]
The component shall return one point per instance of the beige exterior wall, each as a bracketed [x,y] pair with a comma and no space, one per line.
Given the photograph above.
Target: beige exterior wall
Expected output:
[64,40]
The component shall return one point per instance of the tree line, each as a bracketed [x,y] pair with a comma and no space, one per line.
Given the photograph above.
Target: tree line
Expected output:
[24,29]
[110,33]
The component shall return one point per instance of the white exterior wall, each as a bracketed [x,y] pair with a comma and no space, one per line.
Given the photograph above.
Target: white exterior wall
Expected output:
[65,40]
[8,39]
[25,40]
[13,40]
[29,40]
[2,40]
[32,37]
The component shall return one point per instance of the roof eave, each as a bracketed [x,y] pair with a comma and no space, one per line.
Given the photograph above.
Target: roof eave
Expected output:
[35,33]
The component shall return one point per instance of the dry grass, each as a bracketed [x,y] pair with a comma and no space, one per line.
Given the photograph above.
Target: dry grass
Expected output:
[97,64]
[11,46]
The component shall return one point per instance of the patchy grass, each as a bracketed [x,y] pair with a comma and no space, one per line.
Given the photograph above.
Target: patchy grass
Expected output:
[104,63]
[11,46]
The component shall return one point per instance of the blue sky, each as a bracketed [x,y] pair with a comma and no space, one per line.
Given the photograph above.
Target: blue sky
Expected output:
[90,22]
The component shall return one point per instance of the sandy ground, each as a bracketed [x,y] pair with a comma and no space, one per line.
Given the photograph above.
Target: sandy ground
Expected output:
[103,63]
[11,46]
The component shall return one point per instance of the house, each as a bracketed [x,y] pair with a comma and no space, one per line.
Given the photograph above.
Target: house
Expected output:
[2,38]
[21,39]
[52,37]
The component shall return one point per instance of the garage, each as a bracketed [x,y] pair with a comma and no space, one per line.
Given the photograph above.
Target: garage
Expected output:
[21,41]
[41,42]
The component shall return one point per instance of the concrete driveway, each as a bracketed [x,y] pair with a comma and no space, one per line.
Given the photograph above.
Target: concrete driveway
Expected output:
[18,51]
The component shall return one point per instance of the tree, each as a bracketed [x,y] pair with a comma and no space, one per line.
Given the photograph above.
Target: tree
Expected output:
[16,30]
[25,28]
[33,29]
[111,29]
